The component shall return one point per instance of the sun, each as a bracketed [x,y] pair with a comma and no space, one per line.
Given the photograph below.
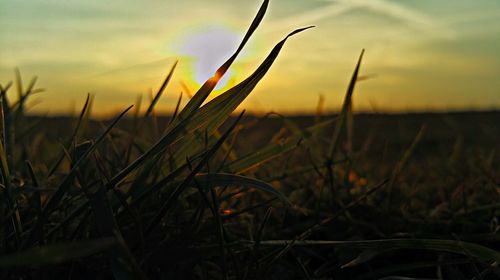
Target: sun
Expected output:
[207,48]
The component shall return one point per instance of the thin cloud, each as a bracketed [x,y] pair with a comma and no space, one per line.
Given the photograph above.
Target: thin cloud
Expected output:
[312,17]
[413,18]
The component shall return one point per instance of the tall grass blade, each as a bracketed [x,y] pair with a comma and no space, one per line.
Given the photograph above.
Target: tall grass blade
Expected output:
[19,83]
[7,129]
[72,139]
[215,112]
[403,161]
[212,115]
[208,117]
[345,109]
[160,91]
[177,107]
[6,146]
[452,246]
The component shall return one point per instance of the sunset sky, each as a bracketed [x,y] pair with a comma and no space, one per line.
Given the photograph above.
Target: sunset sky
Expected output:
[420,54]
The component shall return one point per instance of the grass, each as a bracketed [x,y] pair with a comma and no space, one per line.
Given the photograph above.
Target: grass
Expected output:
[142,198]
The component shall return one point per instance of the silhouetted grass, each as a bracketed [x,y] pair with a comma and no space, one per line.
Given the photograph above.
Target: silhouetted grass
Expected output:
[188,198]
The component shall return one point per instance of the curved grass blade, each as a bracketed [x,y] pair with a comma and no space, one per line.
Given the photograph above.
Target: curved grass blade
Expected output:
[55,254]
[365,256]
[388,270]
[201,95]
[304,235]
[215,112]
[452,246]
[208,181]
[209,117]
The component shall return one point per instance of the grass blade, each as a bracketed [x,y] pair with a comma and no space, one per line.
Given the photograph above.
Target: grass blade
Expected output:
[223,179]
[452,246]
[273,150]
[345,109]
[402,162]
[160,91]
[72,139]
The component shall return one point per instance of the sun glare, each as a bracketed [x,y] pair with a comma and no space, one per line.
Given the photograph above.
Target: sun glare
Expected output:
[208,48]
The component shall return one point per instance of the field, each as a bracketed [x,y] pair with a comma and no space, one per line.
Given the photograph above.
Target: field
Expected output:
[207,194]
[429,198]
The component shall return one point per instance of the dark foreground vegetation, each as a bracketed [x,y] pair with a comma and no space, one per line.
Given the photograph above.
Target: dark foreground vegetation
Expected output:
[203,195]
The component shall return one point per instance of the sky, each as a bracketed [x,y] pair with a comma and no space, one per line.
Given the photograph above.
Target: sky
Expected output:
[421,55]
